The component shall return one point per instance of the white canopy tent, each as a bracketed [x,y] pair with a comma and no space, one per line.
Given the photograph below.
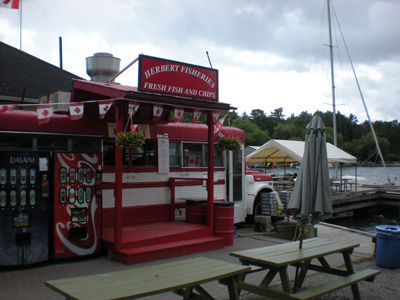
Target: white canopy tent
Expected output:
[292,151]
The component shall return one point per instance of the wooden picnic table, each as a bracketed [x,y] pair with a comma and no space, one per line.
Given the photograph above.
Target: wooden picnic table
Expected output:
[183,277]
[276,260]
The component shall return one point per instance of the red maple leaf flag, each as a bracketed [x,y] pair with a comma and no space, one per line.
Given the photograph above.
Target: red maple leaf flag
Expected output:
[215,116]
[133,127]
[178,114]
[218,126]
[157,112]
[192,161]
[104,108]
[196,116]
[44,113]
[76,110]
[133,108]
[9,4]
[4,108]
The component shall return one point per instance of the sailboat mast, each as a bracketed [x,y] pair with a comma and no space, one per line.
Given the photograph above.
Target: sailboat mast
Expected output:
[332,80]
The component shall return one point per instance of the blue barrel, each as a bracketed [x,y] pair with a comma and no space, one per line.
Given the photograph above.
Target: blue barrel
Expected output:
[388,246]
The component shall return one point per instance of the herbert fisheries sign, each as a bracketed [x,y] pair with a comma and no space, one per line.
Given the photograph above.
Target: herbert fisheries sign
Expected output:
[177,78]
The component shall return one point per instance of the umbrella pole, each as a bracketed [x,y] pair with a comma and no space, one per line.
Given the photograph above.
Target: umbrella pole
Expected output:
[301,236]
[296,278]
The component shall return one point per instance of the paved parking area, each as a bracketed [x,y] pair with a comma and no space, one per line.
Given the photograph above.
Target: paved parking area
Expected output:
[29,283]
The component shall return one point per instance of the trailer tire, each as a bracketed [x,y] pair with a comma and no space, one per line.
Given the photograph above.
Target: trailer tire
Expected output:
[256,207]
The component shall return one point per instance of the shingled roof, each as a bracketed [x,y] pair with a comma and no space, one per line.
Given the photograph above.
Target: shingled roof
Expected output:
[20,70]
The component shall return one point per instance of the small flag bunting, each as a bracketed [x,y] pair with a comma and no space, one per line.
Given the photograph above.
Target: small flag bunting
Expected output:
[44,113]
[4,108]
[104,107]
[133,127]
[215,116]
[196,116]
[76,110]
[218,126]
[178,112]
[133,108]
[157,112]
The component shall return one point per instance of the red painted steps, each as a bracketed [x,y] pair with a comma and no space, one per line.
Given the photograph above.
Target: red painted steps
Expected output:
[152,241]
[169,249]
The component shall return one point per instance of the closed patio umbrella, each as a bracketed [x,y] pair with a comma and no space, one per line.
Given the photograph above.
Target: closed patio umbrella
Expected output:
[311,201]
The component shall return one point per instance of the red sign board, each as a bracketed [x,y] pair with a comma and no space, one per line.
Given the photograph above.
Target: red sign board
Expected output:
[176,78]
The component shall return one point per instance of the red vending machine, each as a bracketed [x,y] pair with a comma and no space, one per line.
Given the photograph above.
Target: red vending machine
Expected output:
[77,204]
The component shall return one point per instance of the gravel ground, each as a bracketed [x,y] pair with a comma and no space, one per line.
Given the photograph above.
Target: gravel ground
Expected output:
[386,285]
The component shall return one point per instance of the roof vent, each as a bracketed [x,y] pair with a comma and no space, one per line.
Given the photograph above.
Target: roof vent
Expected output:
[102,66]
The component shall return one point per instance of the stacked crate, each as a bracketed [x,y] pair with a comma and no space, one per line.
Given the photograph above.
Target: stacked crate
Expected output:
[285,198]
[269,204]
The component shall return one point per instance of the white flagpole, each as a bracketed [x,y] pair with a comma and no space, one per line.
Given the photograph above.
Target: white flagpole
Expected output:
[20,25]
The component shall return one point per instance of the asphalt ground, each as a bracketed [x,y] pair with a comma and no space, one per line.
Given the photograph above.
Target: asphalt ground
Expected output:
[29,283]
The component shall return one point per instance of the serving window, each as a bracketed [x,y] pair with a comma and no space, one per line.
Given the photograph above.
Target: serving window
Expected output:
[181,155]
[143,156]
[196,155]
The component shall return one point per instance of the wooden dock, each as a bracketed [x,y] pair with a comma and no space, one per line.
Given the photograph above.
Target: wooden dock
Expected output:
[344,203]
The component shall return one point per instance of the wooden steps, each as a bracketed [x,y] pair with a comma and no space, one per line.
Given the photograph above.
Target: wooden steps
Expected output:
[153,241]
[169,249]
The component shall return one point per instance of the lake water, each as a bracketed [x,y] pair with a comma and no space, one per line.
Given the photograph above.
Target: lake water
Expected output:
[363,219]
[376,175]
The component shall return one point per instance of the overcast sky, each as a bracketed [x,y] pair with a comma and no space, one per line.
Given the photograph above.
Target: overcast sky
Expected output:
[269,53]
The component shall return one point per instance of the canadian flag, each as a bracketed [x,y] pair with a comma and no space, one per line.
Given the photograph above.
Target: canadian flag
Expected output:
[9,4]
[76,110]
[192,161]
[157,112]
[218,126]
[133,127]
[103,108]
[133,108]
[196,116]
[178,114]
[215,116]
[4,108]
[44,112]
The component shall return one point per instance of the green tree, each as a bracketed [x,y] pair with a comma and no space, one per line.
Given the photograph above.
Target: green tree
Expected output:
[352,137]
[278,113]
[366,149]
[254,136]
[289,131]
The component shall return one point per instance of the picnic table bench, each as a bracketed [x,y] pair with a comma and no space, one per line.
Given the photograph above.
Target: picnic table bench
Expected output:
[183,277]
[276,260]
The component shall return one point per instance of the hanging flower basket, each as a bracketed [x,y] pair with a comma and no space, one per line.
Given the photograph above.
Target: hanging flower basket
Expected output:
[228,144]
[130,140]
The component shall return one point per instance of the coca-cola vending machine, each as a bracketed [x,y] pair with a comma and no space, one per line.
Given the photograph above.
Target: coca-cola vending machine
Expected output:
[77,204]
[24,208]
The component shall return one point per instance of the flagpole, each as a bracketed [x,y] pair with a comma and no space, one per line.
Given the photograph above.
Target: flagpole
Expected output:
[20,25]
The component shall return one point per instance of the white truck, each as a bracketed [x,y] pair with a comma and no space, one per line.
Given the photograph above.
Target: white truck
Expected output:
[257,183]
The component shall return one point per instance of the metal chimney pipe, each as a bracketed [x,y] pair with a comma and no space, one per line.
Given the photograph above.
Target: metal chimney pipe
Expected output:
[102,66]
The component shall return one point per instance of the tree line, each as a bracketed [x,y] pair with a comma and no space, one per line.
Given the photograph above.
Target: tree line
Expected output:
[352,137]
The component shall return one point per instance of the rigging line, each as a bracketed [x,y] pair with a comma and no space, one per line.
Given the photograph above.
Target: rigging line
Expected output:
[365,161]
[361,94]
[343,82]
[316,51]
